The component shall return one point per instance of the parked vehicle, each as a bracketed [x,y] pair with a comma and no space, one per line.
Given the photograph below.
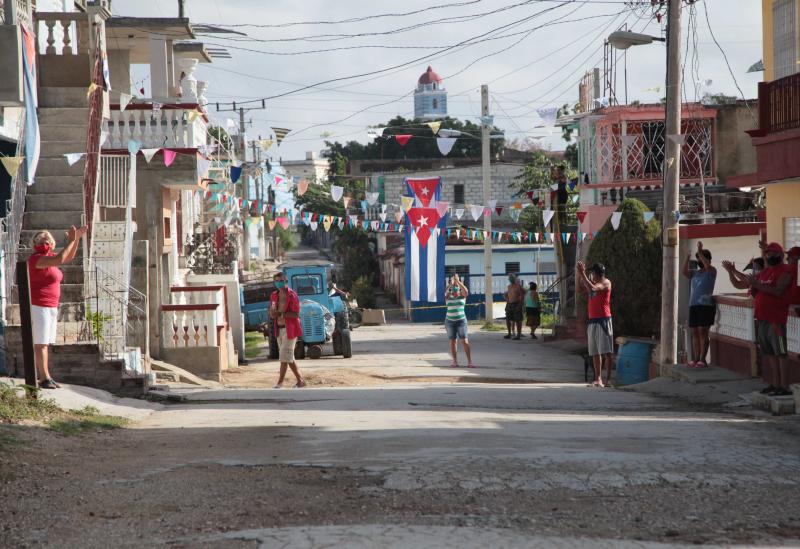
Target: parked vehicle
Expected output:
[255,304]
[324,315]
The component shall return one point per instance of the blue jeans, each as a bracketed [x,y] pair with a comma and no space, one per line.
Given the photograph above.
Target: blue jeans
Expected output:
[456,328]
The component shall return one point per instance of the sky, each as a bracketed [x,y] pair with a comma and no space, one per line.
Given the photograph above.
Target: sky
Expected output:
[535,55]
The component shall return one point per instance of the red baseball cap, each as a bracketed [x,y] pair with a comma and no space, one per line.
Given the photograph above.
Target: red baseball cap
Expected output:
[793,251]
[774,247]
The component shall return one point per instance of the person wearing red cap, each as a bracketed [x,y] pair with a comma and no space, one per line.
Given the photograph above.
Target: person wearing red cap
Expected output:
[771,291]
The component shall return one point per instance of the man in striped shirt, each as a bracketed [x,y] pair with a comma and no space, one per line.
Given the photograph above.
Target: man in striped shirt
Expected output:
[456,320]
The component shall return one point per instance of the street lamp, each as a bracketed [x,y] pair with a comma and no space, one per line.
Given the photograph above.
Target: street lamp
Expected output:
[669,223]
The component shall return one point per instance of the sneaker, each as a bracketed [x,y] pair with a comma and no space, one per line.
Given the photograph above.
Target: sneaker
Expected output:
[768,390]
[508,336]
[533,336]
[517,337]
[278,386]
[49,384]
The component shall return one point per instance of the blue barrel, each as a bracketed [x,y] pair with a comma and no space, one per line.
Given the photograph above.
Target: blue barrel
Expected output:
[633,363]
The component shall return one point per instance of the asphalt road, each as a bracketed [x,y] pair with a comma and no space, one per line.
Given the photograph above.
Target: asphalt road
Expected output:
[516,453]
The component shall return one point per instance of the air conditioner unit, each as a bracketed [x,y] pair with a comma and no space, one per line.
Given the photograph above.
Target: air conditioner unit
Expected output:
[11,91]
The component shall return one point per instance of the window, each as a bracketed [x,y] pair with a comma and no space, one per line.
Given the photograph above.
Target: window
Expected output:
[458,194]
[791,232]
[435,103]
[784,42]
[512,267]
[653,149]
[461,270]
[307,284]
[256,295]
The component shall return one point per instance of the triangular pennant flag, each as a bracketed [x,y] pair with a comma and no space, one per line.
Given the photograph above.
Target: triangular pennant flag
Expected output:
[629,139]
[302,187]
[341,224]
[124,99]
[434,126]
[445,144]
[491,204]
[383,216]
[547,215]
[202,167]
[103,137]
[280,134]
[648,216]
[677,138]
[169,157]
[372,198]
[515,213]
[353,219]
[283,222]
[499,210]
[73,157]
[574,198]
[581,216]
[326,222]
[408,202]
[530,195]
[487,211]
[314,225]
[375,225]
[616,217]
[11,164]
[476,210]
[192,115]
[402,138]
[236,171]
[364,206]
[133,146]
[459,213]
[265,144]
[336,192]
[442,208]
[670,162]
[677,216]
[398,216]
[346,201]
[148,154]
[554,187]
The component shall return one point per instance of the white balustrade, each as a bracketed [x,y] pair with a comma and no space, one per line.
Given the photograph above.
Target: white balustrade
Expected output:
[735,320]
[64,33]
[793,334]
[164,128]
[477,282]
[190,325]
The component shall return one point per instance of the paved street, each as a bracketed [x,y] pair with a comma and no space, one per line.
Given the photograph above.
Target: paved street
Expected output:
[516,453]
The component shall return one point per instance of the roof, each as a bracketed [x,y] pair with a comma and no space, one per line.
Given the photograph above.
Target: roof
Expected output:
[176,28]
[193,50]
[429,77]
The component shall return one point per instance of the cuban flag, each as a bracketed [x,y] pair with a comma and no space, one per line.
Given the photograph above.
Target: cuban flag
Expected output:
[32,140]
[425,240]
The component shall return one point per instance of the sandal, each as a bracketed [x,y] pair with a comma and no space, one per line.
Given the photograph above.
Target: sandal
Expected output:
[299,385]
[769,389]
[278,386]
[49,384]
[470,365]
[454,364]
[701,364]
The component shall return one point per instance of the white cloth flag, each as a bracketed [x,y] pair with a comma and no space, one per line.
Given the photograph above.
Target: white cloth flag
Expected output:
[148,154]
[383,216]
[492,204]
[547,215]
[616,217]
[372,198]
[678,139]
[314,225]
[515,214]
[445,144]
[548,115]
[629,140]
[73,157]
[336,192]
[124,99]
[476,210]
[459,213]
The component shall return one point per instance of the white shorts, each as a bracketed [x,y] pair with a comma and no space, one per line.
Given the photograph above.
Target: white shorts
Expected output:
[286,346]
[601,337]
[44,321]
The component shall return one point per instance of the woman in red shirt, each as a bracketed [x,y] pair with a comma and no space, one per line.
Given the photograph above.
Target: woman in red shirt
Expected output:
[45,288]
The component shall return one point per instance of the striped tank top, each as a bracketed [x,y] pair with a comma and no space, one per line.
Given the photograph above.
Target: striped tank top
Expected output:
[455,308]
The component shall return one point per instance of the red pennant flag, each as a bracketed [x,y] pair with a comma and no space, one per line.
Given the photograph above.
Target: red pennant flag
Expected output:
[499,210]
[422,221]
[581,216]
[529,194]
[403,138]
[424,189]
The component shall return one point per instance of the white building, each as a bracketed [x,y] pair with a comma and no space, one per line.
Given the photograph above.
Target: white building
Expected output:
[312,168]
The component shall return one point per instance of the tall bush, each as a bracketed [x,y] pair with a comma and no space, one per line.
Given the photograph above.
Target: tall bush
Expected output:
[364,293]
[632,256]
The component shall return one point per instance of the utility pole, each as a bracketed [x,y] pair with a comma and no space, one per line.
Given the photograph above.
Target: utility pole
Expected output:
[669,235]
[259,184]
[245,186]
[487,196]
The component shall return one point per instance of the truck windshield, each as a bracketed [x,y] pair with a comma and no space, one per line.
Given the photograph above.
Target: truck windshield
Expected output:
[307,284]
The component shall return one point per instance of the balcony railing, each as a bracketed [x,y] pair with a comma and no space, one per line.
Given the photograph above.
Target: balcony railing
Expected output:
[779,104]
[168,127]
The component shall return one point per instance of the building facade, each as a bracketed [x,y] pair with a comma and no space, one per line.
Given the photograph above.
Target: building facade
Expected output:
[430,97]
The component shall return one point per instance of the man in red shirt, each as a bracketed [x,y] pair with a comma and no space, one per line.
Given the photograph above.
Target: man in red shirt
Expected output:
[284,309]
[600,331]
[771,292]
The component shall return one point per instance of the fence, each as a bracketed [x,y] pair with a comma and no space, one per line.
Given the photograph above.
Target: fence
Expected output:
[779,104]
[169,126]
[11,224]
[115,178]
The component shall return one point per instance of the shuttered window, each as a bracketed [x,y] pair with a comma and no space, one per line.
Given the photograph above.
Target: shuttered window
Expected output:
[784,29]
[791,232]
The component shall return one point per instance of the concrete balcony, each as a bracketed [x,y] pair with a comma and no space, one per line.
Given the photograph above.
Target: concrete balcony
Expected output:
[172,126]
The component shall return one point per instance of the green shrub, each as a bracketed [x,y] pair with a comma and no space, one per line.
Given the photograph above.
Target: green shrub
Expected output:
[632,256]
[364,293]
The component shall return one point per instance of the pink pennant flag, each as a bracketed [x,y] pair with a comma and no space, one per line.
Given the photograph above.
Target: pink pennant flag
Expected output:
[302,187]
[398,216]
[169,157]
[442,208]
[283,222]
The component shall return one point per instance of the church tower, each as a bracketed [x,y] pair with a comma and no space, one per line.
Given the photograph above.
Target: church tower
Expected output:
[430,97]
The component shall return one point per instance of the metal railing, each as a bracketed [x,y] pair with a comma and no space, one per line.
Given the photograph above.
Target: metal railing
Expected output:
[11,224]
[115,180]
[779,104]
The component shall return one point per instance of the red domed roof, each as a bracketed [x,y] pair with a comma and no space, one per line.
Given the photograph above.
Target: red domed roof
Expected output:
[429,77]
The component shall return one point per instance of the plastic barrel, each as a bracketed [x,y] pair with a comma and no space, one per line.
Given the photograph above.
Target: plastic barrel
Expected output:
[633,363]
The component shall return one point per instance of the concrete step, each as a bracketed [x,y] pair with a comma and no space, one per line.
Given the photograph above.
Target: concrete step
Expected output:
[63,132]
[26,248]
[51,202]
[64,115]
[55,148]
[69,293]
[71,313]
[46,184]
[58,166]
[776,405]
[713,374]
[53,220]
[63,97]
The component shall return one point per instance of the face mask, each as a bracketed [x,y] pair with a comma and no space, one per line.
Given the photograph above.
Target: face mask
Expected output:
[43,248]
[280,284]
[511,279]
[774,260]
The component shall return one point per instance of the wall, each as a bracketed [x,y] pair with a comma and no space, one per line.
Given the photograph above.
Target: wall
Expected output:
[201,361]
[525,255]
[236,318]
[783,200]
[735,153]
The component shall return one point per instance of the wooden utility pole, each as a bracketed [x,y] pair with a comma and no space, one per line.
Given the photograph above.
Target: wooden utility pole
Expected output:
[669,235]
[487,196]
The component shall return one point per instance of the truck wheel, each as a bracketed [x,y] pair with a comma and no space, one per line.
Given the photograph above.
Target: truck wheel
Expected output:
[314,352]
[337,343]
[273,347]
[300,350]
[342,320]
[347,349]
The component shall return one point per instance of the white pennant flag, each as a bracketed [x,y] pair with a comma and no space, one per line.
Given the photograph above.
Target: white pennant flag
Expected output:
[459,213]
[148,154]
[515,214]
[124,99]
[678,139]
[73,157]
[375,225]
[547,215]
[492,204]
[314,225]
[476,210]
[103,138]
[445,144]
[336,192]
[383,216]
[616,217]
[629,140]
[372,198]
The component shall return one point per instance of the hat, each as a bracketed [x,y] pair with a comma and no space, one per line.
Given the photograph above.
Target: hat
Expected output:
[774,247]
[794,251]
